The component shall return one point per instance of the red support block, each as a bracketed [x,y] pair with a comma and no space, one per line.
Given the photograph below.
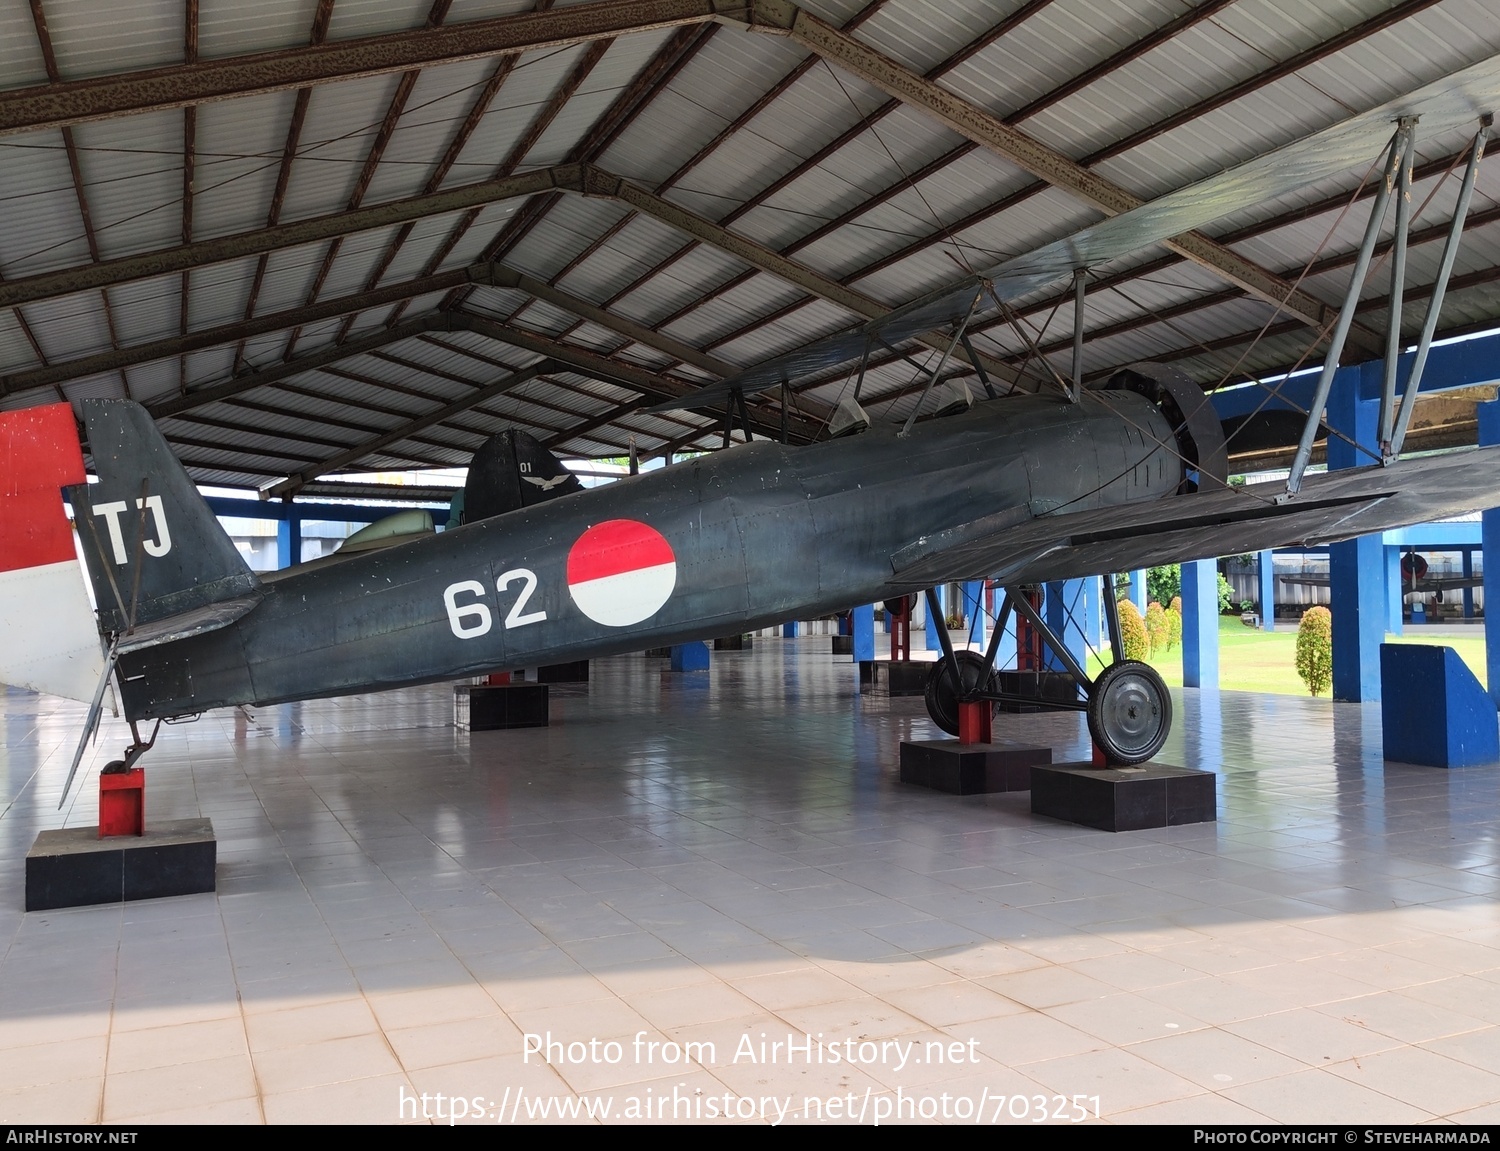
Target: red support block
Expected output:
[122,803]
[974,721]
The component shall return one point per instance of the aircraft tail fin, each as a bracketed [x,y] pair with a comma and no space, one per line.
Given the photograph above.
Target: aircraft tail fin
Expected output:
[154,549]
[513,470]
[48,639]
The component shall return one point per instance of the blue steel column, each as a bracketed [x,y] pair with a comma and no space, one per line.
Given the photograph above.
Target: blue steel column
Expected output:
[789,629]
[974,610]
[1489,433]
[1268,591]
[1138,590]
[864,632]
[1393,622]
[288,537]
[1356,568]
[1200,624]
[933,642]
[1468,591]
[1065,599]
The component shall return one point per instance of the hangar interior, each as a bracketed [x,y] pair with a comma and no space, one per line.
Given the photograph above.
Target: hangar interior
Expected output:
[324,238]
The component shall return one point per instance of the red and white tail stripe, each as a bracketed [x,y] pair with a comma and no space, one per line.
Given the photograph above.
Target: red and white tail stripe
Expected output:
[49,640]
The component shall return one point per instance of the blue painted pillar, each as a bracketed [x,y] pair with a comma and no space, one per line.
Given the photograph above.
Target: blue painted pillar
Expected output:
[1200,624]
[1005,651]
[1356,568]
[690,656]
[288,537]
[974,610]
[1093,613]
[1268,591]
[789,629]
[1489,434]
[1393,623]
[1063,609]
[933,642]
[1468,591]
[864,632]
[1138,591]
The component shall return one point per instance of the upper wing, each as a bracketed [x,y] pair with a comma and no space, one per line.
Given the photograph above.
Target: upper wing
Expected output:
[1447,104]
[1332,507]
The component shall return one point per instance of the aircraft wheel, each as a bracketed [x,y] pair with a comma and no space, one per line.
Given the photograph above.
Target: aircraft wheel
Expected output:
[905,605]
[942,699]
[1130,712]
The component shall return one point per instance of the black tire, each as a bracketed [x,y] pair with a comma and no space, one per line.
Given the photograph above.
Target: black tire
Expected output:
[906,604]
[942,699]
[1130,712]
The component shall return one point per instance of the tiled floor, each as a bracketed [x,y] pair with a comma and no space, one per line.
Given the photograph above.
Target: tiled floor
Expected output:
[727,859]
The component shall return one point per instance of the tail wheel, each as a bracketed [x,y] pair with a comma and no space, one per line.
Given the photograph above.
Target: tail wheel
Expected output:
[1130,712]
[942,695]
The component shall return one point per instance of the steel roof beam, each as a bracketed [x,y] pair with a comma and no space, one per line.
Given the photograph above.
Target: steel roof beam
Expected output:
[580,178]
[1017,148]
[333,463]
[601,368]
[180,85]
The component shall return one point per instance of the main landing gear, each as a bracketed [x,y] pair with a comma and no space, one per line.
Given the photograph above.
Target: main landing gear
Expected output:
[1128,706]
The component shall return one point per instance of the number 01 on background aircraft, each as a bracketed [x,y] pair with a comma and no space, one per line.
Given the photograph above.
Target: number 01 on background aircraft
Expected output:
[1020,489]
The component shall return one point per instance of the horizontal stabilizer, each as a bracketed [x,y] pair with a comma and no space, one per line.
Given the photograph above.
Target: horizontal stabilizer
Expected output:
[189,623]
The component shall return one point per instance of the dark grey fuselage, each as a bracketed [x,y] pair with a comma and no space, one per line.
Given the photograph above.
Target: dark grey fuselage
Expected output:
[761,533]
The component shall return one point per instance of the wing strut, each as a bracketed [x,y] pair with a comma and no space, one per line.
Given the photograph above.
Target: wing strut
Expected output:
[958,334]
[1435,301]
[1399,150]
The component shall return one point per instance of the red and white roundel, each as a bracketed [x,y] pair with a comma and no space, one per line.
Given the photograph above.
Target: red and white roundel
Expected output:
[621,572]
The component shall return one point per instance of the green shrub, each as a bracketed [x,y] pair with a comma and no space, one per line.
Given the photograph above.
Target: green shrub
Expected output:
[1133,637]
[1162,583]
[1157,627]
[1315,649]
[1174,625]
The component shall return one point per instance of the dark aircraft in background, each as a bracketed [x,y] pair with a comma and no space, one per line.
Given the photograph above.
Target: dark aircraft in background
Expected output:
[1022,489]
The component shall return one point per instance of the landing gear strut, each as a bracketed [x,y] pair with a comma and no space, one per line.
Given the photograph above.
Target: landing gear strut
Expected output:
[1128,706]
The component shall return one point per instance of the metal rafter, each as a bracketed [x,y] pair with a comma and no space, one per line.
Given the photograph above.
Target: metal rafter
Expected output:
[350,455]
[58,104]
[1019,149]
[378,144]
[75,170]
[189,163]
[319,33]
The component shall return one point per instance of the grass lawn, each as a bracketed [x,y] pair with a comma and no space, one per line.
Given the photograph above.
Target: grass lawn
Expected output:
[1255,660]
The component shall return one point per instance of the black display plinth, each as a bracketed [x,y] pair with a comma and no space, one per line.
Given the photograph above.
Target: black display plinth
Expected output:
[969,768]
[73,867]
[734,643]
[495,707]
[895,676]
[575,672]
[1050,690]
[843,644]
[1124,798]
[658,653]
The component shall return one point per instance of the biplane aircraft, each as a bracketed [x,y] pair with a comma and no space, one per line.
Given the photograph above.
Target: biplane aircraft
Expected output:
[1020,488]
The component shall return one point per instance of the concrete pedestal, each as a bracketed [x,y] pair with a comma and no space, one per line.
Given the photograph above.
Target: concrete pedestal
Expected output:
[843,644]
[1124,798]
[73,867]
[575,672]
[969,768]
[497,707]
[895,676]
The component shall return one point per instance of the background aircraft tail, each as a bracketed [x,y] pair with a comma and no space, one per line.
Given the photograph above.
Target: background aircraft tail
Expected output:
[153,547]
[513,470]
[48,638]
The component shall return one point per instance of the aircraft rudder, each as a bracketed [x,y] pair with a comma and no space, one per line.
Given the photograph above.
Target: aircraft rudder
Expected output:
[146,512]
[49,640]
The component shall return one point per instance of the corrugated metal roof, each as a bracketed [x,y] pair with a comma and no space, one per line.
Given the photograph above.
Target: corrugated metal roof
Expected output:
[132,179]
